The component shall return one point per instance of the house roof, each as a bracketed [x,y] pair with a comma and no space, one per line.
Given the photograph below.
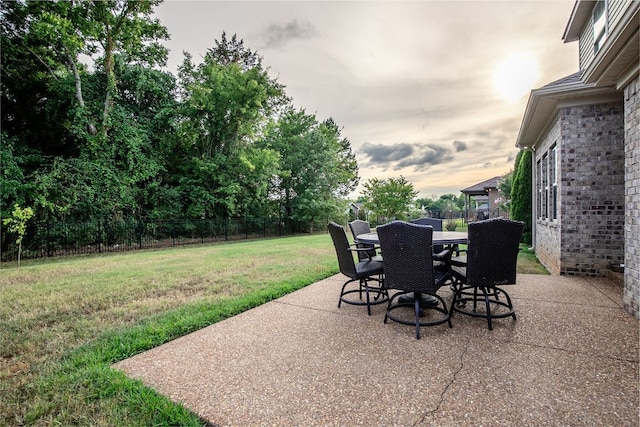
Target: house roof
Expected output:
[568,80]
[481,188]
[545,101]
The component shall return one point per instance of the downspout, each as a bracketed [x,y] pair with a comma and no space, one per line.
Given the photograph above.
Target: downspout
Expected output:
[534,198]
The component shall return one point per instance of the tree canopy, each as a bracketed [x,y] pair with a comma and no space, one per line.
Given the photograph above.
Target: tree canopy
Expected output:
[521,192]
[389,198]
[92,127]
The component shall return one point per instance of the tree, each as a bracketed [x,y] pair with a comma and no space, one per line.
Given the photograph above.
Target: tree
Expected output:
[389,198]
[521,203]
[61,32]
[505,184]
[439,207]
[17,223]
[227,101]
[317,167]
[75,127]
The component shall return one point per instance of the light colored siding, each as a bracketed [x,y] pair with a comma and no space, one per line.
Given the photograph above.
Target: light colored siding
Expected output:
[586,46]
[615,11]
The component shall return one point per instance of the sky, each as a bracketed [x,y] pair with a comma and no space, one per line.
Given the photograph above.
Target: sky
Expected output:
[434,91]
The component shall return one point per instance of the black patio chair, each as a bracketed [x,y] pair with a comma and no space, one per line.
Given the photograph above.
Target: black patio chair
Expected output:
[440,253]
[358,227]
[408,267]
[492,255]
[363,272]
[436,223]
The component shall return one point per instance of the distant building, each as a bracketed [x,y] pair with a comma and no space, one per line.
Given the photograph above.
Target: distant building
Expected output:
[584,131]
[357,209]
[481,200]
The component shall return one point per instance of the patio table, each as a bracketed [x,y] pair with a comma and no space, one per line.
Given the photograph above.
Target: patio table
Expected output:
[439,238]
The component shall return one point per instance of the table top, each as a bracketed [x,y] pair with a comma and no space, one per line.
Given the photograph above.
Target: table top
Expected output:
[439,237]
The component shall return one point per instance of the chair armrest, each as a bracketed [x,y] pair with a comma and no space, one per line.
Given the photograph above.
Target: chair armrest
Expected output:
[443,257]
[365,250]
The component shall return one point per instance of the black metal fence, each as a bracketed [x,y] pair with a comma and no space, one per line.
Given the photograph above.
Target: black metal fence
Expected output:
[44,239]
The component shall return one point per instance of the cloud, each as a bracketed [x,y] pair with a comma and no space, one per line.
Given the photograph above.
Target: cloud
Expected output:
[385,154]
[277,35]
[460,146]
[402,155]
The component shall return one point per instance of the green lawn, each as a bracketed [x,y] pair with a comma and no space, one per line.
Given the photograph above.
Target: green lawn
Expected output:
[65,321]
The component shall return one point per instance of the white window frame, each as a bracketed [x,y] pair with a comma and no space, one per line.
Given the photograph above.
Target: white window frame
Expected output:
[544,186]
[539,189]
[553,181]
[599,18]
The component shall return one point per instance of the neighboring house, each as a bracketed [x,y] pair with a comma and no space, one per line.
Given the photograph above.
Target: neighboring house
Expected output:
[584,131]
[357,209]
[481,200]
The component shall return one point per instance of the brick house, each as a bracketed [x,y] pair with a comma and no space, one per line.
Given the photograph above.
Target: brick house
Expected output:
[584,131]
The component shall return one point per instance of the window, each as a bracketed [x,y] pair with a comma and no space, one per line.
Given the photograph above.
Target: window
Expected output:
[553,182]
[539,188]
[599,16]
[547,185]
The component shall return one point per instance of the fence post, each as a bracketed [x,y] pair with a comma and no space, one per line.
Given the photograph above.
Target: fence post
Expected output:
[48,224]
[99,236]
[140,232]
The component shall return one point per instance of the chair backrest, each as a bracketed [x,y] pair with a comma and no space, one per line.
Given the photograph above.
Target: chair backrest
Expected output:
[408,263]
[492,252]
[436,223]
[360,227]
[341,244]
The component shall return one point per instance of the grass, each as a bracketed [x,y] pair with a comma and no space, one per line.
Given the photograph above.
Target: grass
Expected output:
[65,321]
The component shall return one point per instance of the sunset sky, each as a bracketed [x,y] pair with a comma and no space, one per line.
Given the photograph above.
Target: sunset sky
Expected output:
[434,91]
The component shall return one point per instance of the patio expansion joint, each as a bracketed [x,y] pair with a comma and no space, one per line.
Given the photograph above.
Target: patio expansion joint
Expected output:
[341,313]
[572,351]
[432,412]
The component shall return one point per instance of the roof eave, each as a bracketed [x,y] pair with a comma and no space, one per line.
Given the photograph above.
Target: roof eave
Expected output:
[544,102]
[580,14]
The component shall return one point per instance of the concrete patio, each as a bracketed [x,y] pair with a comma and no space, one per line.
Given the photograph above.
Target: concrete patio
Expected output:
[570,359]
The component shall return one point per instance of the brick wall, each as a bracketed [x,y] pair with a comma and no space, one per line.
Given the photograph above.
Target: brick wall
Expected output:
[631,297]
[592,188]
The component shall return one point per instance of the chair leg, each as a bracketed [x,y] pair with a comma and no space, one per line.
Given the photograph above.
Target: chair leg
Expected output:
[475,299]
[416,302]
[366,290]
[509,304]
[488,305]
[342,292]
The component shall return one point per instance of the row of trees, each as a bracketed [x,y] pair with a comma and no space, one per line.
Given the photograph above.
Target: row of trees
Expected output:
[93,128]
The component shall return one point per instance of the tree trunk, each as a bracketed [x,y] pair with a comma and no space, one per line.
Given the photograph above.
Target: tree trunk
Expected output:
[91,128]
